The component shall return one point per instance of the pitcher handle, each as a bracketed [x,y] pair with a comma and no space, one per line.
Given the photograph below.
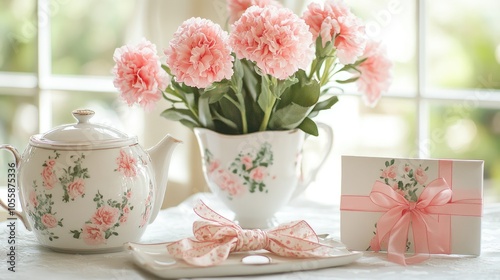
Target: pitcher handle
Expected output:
[12,183]
[314,171]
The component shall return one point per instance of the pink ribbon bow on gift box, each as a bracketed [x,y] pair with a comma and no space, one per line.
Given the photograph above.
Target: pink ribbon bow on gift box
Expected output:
[394,224]
[216,237]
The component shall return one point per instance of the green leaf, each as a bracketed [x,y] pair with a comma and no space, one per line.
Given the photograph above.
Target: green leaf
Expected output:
[227,110]
[181,115]
[167,69]
[215,92]
[283,85]
[325,104]
[347,81]
[288,117]
[309,126]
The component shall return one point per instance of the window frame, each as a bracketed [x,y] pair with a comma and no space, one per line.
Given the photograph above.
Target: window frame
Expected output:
[42,82]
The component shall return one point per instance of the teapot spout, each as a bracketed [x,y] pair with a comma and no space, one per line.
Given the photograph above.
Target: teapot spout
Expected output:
[160,155]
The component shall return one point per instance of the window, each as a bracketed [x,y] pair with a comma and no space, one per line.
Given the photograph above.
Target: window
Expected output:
[444,102]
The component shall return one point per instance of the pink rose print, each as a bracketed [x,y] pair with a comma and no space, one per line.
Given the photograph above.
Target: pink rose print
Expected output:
[105,217]
[246,171]
[41,213]
[48,175]
[396,189]
[420,175]
[228,181]
[49,221]
[145,217]
[76,188]
[103,224]
[213,165]
[124,217]
[92,235]
[32,199]
[247,161]
[258,174]
[407,168]
[389,172]
[127,165]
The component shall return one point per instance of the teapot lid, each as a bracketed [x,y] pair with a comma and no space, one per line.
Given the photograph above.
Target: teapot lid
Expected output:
[82,135]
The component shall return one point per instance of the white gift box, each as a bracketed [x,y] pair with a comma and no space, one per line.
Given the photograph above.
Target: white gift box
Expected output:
[385,197]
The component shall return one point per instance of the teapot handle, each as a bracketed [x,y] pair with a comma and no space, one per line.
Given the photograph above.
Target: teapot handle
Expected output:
[12,186]
[305,181]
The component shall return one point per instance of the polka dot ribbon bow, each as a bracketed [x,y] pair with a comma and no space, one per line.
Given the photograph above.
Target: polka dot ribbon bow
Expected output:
[216,237]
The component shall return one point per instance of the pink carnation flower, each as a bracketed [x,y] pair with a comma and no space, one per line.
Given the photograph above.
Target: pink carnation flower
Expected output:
[336,23]
[237,7]
[199,53]
[276,39]
[375,73]
[138,74]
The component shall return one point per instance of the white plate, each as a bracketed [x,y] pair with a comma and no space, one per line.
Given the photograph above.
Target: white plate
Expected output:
[155,259]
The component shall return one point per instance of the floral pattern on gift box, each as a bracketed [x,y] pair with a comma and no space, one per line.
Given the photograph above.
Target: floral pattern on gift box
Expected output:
[406,180]
[40,211]
[103,224]
[247,171]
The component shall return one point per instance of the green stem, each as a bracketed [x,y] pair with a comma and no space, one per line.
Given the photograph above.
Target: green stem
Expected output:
[314,64]
[267,114]
[243,114]
[273,86]
[326,74]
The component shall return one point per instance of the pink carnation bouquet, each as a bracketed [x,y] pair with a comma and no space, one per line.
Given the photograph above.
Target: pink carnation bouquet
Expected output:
[273,70]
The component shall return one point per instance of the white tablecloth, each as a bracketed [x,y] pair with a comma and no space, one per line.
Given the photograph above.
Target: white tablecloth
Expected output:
[36,262]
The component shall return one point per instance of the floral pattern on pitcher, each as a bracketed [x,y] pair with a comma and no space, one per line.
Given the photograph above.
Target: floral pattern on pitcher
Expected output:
[103,224]
[247,171]
[406,180]
[40,211]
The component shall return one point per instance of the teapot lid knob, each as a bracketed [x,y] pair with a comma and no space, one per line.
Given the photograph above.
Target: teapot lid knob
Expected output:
[83,115]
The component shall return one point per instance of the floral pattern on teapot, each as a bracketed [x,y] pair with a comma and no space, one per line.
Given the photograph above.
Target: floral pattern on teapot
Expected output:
[72,178]
[247,171]
[103,224]
[40,211]
[127,165]
[148,206]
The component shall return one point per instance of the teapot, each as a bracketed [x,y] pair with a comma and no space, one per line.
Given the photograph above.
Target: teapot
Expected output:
[89,188]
